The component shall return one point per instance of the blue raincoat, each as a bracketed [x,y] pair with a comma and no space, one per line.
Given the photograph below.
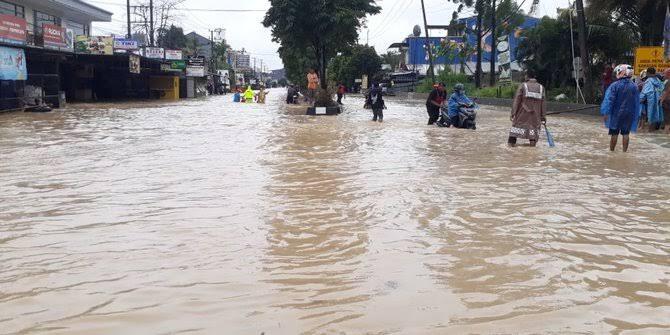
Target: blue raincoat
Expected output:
[651,93]
[455,101]
[621,105]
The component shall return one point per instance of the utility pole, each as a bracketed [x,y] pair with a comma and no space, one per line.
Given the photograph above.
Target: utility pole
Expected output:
[583,51]
[151,22]
[211,50]
[254,67]
[428,44]
[128,12]
[492,81]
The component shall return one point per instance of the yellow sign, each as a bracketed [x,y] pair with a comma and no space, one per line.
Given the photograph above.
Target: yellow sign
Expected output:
[646,57]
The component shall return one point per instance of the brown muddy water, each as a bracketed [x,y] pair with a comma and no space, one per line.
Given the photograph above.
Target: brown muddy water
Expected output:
[209,217]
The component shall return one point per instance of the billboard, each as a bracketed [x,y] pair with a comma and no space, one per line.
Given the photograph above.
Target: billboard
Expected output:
[95,45]
[154,53]
[134,62]
[54,36]
[12,64]
[125,44]
[12,29]
[173,54]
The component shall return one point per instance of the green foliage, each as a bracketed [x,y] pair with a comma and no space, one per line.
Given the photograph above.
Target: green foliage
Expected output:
[171,38]
[314,31]
[607,41]
[282,82]
[495,92]
[354,63]
[645,17]
[392,58]
[220,50]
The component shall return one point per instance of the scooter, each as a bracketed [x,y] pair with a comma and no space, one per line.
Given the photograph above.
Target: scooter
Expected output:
[467,117]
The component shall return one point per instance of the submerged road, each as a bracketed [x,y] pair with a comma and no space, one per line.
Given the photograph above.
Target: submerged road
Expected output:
[209,217]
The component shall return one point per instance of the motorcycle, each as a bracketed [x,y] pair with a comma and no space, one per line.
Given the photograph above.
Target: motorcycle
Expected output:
[467,117]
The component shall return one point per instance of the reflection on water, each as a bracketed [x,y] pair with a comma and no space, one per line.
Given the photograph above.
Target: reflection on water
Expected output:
[210,217]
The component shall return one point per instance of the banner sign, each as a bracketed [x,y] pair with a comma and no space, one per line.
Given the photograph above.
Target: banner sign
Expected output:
[126,44]
[154,53]
[12,64]
[646,57]
[196,61]
[12,29]
[69,39]
[173,54]
[134,62]
[195,71]
[54,36]
[95,45]
[178,65]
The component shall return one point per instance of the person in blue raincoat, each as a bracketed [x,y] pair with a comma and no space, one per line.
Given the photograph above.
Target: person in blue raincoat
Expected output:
[457,100]
[650,99]
[621,106]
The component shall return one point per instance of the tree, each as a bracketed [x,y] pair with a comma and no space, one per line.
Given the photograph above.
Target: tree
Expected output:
[317,28]
[163,16]
[392,58]
[644,16]
[172,38]
[608,41]
[353,63]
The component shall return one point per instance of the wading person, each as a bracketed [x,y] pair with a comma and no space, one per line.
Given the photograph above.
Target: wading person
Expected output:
[312,85]
[621,106]
[341,89]
[528,111]
[434,103]
[650,100]
[249,95]
[376,101]
[665,103]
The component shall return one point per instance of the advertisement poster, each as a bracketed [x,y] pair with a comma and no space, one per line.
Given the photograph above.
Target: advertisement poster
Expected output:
[178,65]
[195,71]
[126,44]
[154,53]
[95,45]
[69,39]
[173,54]
[54,36]
[134,64]
[12,29]
[12,64]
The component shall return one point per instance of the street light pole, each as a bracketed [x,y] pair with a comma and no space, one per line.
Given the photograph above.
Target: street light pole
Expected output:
[492,80]
[151,22]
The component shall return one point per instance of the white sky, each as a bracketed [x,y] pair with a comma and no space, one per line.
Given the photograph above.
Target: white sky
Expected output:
[244,29]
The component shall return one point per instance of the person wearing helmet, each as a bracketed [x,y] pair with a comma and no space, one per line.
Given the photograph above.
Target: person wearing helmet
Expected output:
[528,111]
[457,100]
[621,106]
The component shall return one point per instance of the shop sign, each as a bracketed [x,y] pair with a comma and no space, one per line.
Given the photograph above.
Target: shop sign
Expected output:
[134,62]
[125,44]
[12,64]
[12,29]
[53,35]
[646,57]
[178,65]
[195,71]
[196,61]
[154,53]
[69,39]
[173,54]
[95,45]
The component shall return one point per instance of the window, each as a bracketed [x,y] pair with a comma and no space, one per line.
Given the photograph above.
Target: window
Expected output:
[77,28]
[11,9]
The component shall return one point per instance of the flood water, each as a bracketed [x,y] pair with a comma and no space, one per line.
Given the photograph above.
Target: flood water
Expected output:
[209,217]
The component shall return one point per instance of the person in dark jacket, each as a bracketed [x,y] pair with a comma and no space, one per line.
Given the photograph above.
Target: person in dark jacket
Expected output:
[435,100]
[376,101]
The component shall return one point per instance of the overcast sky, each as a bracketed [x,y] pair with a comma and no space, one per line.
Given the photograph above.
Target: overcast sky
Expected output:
[244,29]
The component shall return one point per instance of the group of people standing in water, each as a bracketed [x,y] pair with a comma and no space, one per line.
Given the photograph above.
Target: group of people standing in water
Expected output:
[249,96]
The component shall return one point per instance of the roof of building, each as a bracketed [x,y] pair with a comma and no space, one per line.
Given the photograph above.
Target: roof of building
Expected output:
[72,9]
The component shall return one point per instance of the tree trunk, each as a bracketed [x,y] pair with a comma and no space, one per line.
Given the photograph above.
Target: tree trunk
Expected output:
[322,69]
[478,70]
